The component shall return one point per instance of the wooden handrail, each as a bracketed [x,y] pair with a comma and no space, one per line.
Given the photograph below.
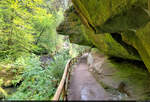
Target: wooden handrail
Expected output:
[63,86]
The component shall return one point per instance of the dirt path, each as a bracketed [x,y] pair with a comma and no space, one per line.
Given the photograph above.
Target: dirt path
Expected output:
[83,85]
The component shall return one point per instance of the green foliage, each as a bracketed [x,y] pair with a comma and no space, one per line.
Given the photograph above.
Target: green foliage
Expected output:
[75,50]
[29,26]
[25,24]
[46,36]
[58,65]
[16,27]
[40,83]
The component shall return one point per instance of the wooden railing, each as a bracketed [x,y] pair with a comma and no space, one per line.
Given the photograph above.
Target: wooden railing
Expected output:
[61,92]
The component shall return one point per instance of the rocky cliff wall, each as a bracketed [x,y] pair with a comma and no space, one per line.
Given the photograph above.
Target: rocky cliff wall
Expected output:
[117,28]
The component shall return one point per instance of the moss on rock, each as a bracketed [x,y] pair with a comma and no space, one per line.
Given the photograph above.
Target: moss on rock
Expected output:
[79,34]
[118,28]
[112,15]
[72,26]
[141,41]
[129,17]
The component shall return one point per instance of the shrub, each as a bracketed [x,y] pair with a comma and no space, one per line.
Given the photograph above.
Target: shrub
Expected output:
[40,83]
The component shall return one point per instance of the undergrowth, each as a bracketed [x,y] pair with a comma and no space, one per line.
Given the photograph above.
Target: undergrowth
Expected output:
[40,83]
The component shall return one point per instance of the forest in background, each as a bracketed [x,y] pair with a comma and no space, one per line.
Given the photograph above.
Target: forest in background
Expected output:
[32,54]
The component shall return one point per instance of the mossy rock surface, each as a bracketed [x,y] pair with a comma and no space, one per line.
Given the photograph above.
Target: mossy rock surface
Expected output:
[112,15]
[73,27]
[106,42]
[136,78]
[97,21]
[122,79]
[141,41]
[118,28]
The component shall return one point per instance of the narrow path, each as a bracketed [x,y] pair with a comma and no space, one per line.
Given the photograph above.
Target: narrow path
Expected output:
[83,85]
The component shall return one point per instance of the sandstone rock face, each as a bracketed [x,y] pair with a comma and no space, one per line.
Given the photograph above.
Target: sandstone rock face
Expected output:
[95,60]
[73,27]
[114,15]
[122,80]
[118,28]
[130,18]
[106,43]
